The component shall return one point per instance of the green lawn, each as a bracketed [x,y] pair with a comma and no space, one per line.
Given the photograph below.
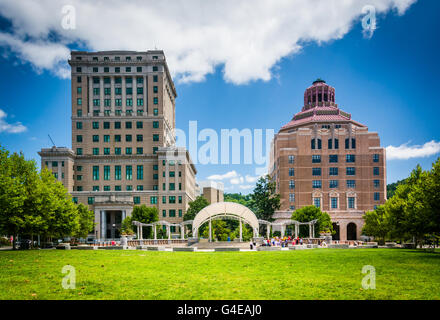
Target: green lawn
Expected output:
[306,274]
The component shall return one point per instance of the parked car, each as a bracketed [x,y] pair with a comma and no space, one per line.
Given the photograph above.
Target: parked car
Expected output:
[24,244]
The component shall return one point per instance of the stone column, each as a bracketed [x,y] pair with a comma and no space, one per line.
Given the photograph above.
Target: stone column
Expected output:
[343,231]
[167,174]
[103,224]
[241,231]
[59,171]
[112,93]
[134,95]
[282,231]
[310,230]
[182,232]
[145,94]
[169,232]
[210,228]
[90,102]
[155,232]
[124,105]
[268,230]
[101,96]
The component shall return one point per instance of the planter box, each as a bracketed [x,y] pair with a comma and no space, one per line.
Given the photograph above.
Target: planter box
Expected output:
[227,249]
[183,249]
[268,248]
[338,246]
[150,248]
[63,246]
[298,247]
[112,248]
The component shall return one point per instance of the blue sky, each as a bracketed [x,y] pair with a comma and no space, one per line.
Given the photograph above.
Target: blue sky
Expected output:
[387,82]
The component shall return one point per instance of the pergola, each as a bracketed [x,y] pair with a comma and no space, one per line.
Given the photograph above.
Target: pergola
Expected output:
[162,223]
[225,210]
[284,224]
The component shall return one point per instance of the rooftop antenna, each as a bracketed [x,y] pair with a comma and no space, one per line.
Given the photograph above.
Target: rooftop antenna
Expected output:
[51,140]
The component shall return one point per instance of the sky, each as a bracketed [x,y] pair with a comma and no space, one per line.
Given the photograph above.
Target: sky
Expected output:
[236,64]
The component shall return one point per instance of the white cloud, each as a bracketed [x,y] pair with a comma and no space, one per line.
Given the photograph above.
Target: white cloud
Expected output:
[404,151]
[248,38]
[9,127]
[246,186]
[228,175]
[237,180]
[252,179]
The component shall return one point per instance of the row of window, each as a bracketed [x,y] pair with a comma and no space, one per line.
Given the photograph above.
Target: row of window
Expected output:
[333,143]
[118,91]
[334,184]
[128,187]
[117,151]
[117,58]
[334,201]
[334,158]
[118,102]
[118,80]
[118,112]
[117,138]
[117,69]
[128,125]
[334,171]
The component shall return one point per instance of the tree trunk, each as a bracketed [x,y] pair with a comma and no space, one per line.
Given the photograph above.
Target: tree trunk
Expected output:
[14,242]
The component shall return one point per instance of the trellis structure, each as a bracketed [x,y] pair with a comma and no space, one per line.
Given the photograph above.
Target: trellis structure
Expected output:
[284,224]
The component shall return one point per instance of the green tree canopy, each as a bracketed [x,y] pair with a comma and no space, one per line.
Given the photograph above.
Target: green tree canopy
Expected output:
[376,224]
[194,207]
[266,200]
[309,213]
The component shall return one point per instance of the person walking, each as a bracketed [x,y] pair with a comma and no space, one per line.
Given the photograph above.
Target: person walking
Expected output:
[251,245]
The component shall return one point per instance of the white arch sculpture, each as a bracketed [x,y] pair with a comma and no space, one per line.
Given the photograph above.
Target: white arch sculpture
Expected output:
[220,210]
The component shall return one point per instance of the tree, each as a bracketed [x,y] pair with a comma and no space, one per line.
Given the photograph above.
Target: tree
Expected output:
[127,226]
[219,230]
[309,213]
[145,214]
[266,200]
[86,221]
[376,224]
[245,200]
[194,207]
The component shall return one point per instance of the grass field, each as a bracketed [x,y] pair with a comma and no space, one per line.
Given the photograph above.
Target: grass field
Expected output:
[306,274]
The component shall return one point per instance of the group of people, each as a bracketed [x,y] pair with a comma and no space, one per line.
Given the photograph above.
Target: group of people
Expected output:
[285,241]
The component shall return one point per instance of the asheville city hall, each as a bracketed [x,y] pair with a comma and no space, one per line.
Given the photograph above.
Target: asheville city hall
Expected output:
[124,150]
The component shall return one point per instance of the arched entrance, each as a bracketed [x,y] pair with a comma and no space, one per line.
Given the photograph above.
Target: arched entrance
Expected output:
[351,231]
[337,235]
[221,210]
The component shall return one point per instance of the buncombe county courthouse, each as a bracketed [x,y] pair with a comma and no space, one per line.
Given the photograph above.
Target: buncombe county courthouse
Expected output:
[124,153]
[323,157]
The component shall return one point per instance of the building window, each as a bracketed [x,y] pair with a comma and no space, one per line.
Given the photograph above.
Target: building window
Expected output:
[140,188]
[106,138]
[79,151]
[180,199]
[333,158]
[155,100]
[140,138]
[291,197]
[95,151]
[117,125]
[164,213]
[336,143]
[117,172]
[330,144]
[79,101]
[95,125]
[155,111]
[333,184]
[128,150]
[155,149]
[128,138]
[376,171]
[376,183]
[334,202]
[140,172]
[350,158]
[180,212]
[375,158]
[172,214]
[106,172]
[316,159]
[140,80]
[317,184]
[129,188]
[75,200]
[172,186]
[317,202]
[95,138]
[351,184]
[95,172]
[376,196]
[292,184]
[136,200]
[91,200]
[316,171]
[155,78]
[291,159]
[79,138]
[128,173]
[333,171]
[351,202]
[139,150]
[117,138]
[95,188]
[153,200]
[155,124]
[351,171]
[155,89]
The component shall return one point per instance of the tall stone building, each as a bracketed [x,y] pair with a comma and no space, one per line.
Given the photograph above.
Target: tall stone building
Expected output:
[323,157]
[123,146]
